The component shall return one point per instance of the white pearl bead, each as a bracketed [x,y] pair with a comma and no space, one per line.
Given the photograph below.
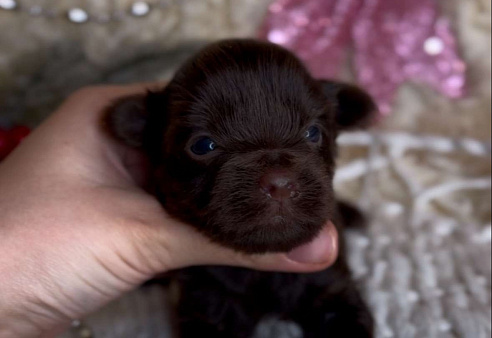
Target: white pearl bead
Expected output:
[434,45]
[140,8]
[78,15]
[8,4]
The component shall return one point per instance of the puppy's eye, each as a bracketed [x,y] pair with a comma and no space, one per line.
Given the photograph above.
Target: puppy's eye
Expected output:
[313,134]
[203,146]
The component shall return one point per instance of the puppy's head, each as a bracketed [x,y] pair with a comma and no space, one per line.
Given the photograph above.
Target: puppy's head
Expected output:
[242,144]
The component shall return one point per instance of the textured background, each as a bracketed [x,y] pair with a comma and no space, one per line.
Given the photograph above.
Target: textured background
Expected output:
[423,175]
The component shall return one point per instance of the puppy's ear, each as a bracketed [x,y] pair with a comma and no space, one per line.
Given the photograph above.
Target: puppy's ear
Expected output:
[355,108]
[126,119]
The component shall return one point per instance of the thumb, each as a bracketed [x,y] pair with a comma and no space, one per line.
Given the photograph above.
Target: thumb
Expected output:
[187,247]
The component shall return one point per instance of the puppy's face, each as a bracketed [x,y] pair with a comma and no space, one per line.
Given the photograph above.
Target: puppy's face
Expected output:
[242,143]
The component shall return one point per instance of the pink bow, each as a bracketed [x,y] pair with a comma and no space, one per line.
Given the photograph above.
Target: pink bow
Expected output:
[393,40]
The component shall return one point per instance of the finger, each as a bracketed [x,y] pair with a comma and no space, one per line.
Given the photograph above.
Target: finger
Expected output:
[98,97]
[75,133]
[316,255]
[186,247]
[81,113]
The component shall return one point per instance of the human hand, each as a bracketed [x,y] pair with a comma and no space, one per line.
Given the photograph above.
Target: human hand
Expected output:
[77,231]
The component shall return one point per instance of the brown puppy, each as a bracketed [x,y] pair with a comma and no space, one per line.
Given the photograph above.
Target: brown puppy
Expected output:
[242,146]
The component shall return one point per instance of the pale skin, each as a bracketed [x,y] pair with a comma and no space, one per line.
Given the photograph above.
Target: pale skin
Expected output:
[77,231]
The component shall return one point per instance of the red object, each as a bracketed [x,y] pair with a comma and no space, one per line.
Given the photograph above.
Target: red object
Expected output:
[18,133]
[6,144]
[10,139]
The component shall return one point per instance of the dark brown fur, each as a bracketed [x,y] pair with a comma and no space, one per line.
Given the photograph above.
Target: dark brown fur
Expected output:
[256,101]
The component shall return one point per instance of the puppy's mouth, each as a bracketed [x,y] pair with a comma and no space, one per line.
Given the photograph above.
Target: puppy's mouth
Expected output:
[257,210]
[323,248]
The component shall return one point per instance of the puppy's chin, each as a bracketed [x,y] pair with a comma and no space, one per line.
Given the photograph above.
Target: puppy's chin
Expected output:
[274,234]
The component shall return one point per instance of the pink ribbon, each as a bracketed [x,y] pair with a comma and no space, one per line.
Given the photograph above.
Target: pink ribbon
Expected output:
[393,41]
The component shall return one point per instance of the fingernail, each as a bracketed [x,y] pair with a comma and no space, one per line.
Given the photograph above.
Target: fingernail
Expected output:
[322,249]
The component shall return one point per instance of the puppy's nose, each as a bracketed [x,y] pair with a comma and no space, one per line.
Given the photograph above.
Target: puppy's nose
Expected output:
[279,184]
